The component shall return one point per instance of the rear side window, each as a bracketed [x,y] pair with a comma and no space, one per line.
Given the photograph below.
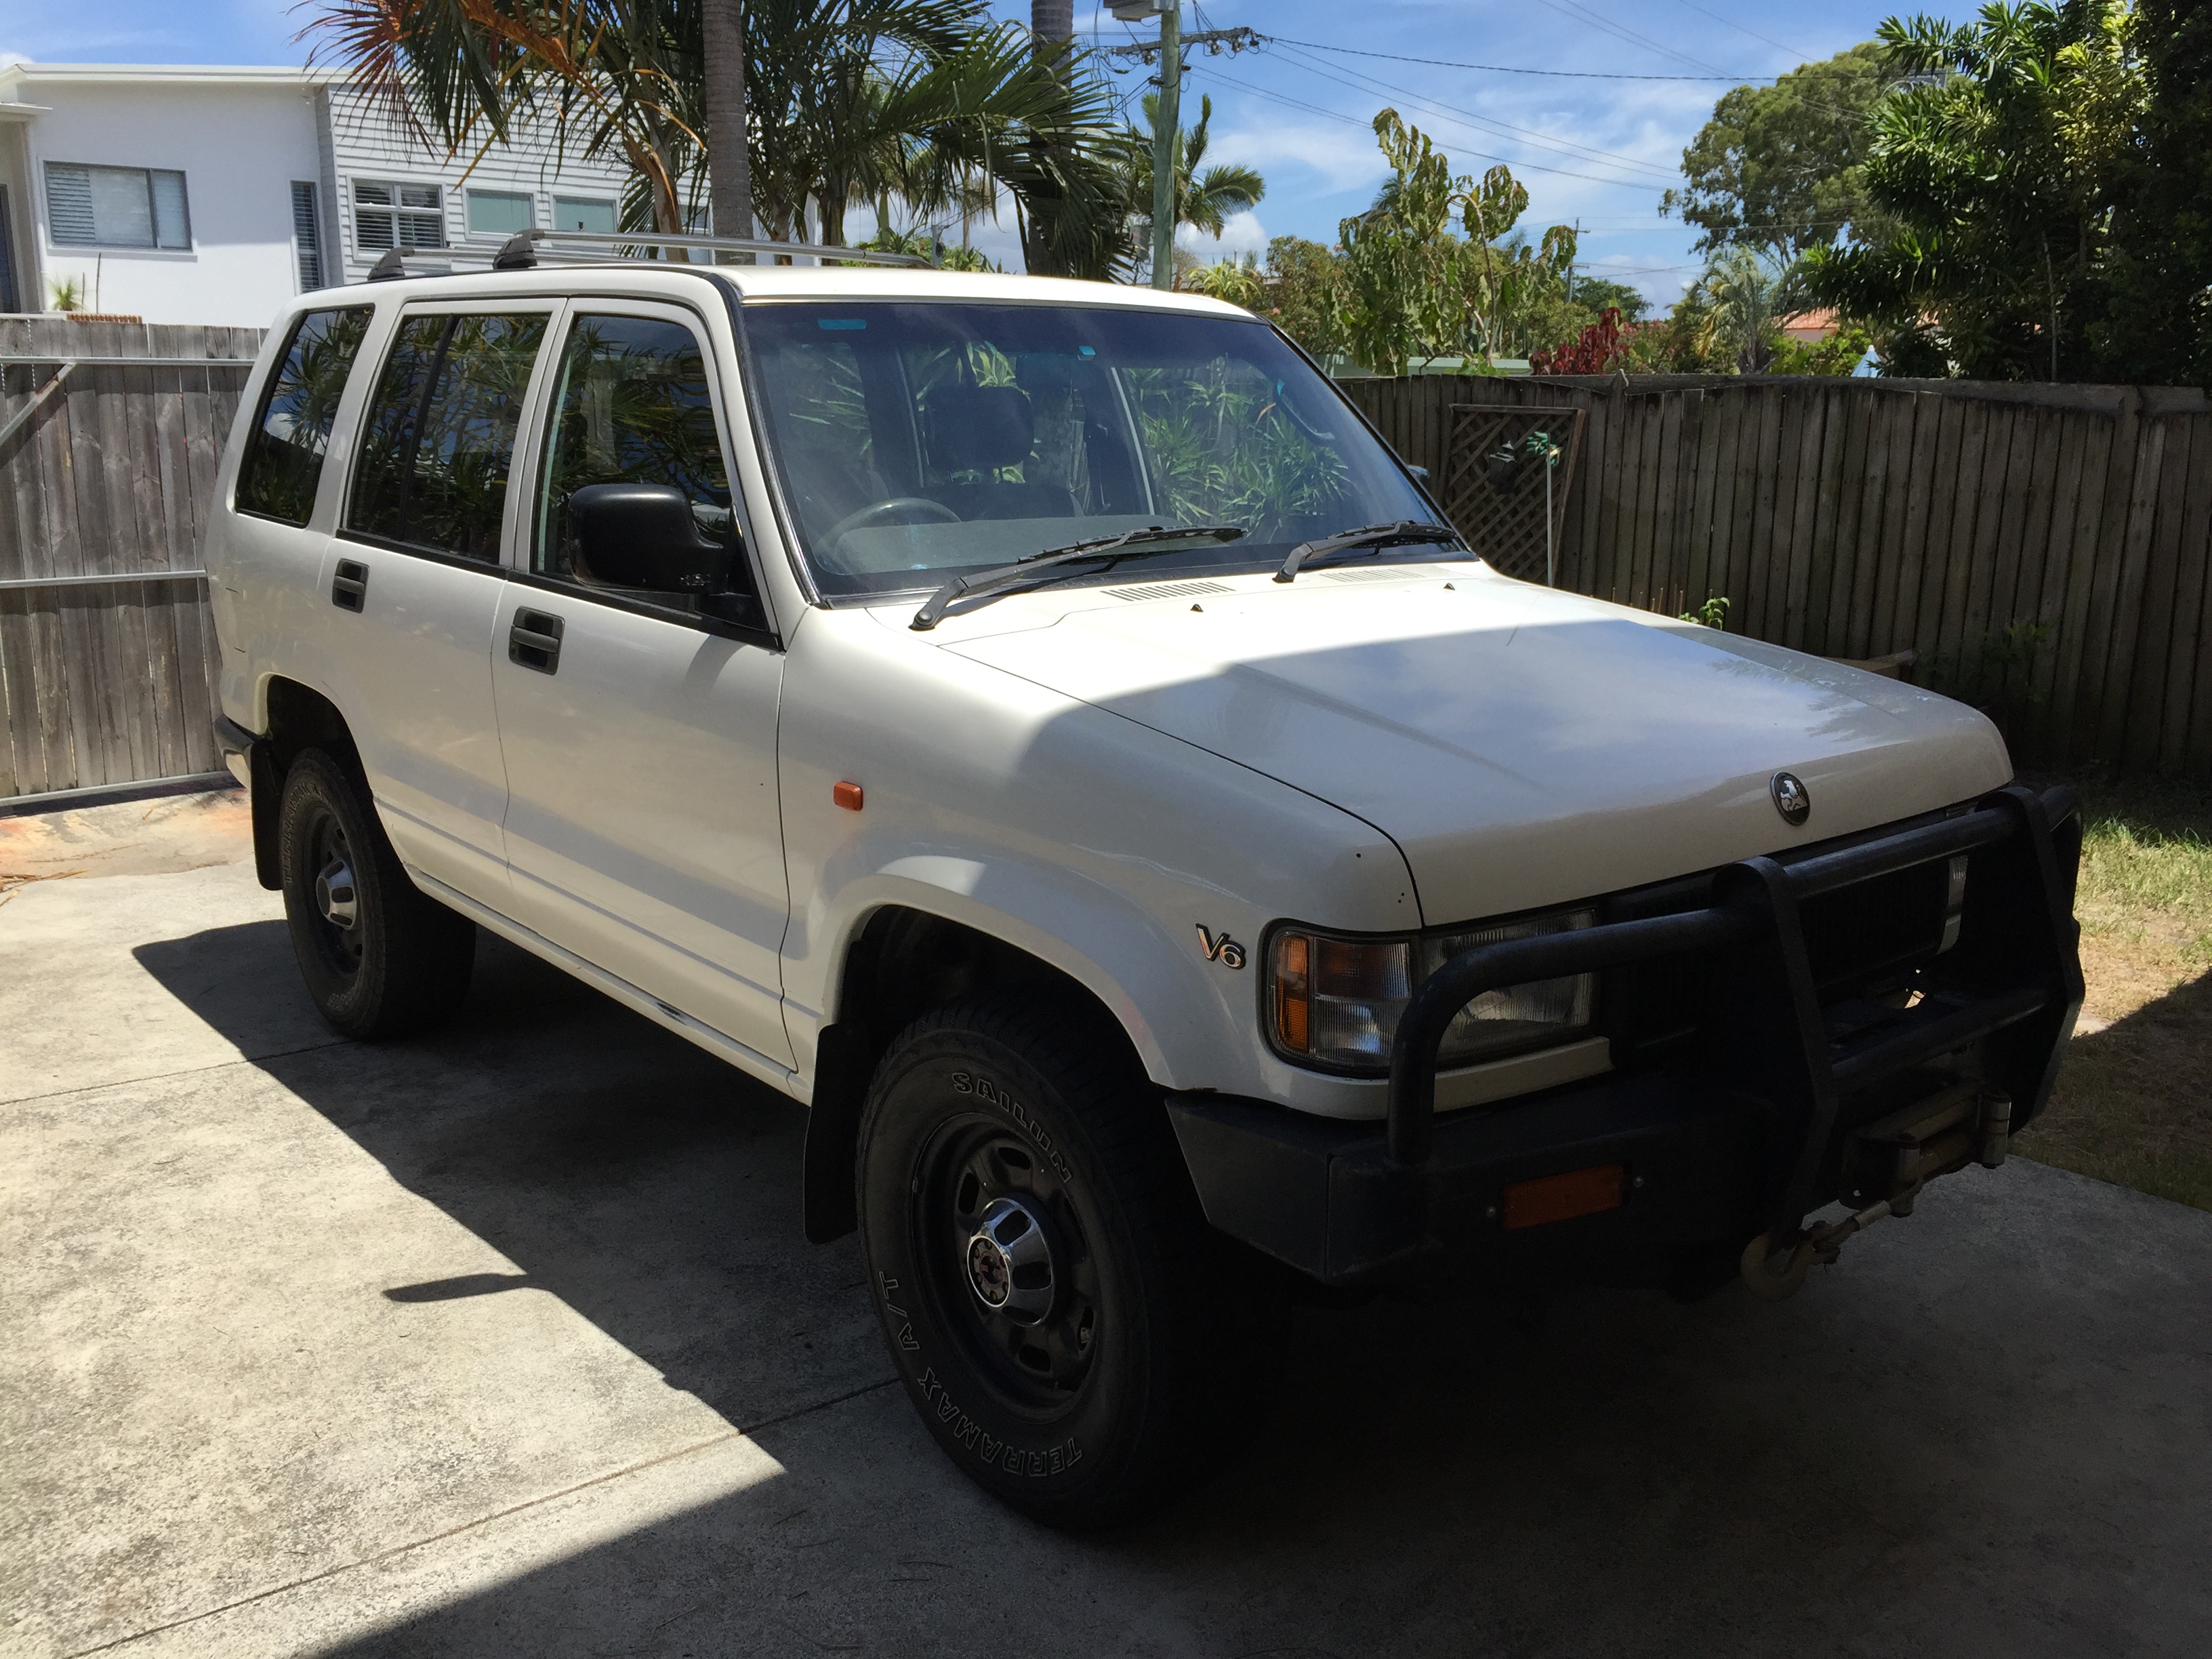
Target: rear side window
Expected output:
[283,460]
[438,437]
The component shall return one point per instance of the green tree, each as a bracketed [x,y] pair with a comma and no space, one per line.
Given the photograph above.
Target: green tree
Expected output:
[1300,284]
[1407,288]
[2157,325]
[846,100]
[1204,198]
[1998,168]
[1596,295]
[1783,166]
[1237,281]
[1746,293]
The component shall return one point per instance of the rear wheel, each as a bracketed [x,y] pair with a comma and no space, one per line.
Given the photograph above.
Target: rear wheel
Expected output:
[380,958]
[1074,1335]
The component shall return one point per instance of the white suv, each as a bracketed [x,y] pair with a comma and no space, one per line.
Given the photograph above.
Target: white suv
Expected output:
[1042,728]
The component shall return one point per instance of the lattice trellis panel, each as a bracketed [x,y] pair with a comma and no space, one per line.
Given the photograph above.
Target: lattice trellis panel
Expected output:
[1494,479]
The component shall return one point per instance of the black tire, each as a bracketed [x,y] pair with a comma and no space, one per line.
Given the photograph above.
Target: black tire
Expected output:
[1126,1373]
[401,963]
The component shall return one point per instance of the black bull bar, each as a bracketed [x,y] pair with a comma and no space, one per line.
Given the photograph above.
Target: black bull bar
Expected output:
[2001,1010]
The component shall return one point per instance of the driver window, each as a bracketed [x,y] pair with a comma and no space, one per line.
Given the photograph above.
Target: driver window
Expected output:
[631,405]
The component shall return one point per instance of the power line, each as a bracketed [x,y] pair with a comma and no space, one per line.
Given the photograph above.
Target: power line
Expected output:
[1354,121]
[1730,22]
[1504,68]
[1542,140]
[1583,14]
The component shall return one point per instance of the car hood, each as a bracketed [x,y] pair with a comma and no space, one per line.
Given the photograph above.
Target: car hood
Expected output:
[1523,747]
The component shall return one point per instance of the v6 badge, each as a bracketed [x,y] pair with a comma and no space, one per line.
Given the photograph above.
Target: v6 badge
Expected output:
[1221,948]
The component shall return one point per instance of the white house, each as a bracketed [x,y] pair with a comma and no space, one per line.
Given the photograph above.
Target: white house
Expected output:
[185,193]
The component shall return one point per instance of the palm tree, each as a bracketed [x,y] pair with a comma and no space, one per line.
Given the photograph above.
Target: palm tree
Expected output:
[842,101]
[605,76]
[729,132]
[1746,293]
[1204,199]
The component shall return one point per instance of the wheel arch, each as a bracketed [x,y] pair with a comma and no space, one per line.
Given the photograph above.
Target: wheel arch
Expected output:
[292,717]
[901,960]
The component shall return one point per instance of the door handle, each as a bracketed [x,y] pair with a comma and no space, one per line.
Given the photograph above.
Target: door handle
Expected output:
[350,587]
[534,640]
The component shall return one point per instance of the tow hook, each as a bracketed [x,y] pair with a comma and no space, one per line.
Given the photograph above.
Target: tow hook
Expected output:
[1894,1158]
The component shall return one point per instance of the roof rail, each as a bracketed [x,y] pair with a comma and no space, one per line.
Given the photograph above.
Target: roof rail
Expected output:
[519,252]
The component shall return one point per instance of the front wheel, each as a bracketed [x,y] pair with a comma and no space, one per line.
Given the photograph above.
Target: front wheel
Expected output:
[1074,1335]
[380,958]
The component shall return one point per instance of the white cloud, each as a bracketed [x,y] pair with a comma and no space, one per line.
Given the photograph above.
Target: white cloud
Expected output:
[1344,156]
[1242,234]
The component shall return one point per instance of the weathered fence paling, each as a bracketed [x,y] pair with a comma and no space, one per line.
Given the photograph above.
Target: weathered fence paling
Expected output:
[108,682]
[2043,549]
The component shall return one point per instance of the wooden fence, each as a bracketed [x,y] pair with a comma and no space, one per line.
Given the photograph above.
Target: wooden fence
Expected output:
[2042,548]
[1849,518]
[108,662]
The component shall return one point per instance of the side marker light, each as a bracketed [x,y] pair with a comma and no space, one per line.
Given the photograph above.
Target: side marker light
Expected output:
[846,795]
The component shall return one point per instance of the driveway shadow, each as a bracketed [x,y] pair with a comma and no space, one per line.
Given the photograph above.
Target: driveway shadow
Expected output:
[637,1178]
[1984,1433]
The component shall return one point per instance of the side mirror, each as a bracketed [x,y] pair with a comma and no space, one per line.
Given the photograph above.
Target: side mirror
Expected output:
[643,536]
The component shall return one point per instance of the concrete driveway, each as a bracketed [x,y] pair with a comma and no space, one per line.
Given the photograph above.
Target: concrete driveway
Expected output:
[506,1342]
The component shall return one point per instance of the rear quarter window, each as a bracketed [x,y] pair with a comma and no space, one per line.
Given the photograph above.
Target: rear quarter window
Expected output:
[285,453]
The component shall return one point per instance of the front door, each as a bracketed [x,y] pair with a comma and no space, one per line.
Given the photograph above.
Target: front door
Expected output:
[417,564]
[639,730]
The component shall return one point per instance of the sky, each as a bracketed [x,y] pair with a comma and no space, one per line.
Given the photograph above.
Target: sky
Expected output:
[1596,139]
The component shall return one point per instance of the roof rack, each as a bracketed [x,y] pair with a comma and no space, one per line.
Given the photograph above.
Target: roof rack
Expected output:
[521,251]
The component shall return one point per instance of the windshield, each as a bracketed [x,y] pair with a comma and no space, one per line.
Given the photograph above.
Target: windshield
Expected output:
[921,441]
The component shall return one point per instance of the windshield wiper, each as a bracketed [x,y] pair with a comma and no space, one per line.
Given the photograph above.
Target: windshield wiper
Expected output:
[1373,538]
[1129,544]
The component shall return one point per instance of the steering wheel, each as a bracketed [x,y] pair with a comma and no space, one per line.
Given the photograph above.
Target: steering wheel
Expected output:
[897,510]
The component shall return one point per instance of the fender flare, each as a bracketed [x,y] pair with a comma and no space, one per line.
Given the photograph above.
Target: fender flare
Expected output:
[951,888]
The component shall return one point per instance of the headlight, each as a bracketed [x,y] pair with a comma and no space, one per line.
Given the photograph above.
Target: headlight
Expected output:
[1335,1003]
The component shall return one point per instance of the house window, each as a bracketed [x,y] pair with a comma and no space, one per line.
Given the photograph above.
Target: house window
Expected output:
[307,235]
[584,213]
[115,207]
[388,216]
[499,213]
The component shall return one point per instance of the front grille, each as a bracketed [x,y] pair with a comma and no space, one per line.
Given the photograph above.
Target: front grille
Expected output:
[1865,941]
[1859,936]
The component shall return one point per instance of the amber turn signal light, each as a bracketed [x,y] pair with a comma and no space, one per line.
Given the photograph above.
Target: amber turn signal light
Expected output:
[1562,1197]
[846,795]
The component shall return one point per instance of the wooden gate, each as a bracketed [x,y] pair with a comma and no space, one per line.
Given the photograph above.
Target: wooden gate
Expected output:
[110,434]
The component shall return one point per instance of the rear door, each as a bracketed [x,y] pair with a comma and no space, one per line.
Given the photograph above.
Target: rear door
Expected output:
[269,553]
[639,729]
[415,577]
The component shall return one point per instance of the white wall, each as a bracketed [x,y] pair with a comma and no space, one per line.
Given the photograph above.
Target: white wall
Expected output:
[365,145]
[241,142]
[239,147]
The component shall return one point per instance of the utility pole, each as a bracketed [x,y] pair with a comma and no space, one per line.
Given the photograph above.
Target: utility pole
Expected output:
[1167,140]
[1166,135]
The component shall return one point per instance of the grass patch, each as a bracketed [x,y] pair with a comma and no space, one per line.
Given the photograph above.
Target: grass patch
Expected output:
[2134,1105]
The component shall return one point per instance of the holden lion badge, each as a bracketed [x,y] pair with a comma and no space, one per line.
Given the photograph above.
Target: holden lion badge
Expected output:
[1792,799]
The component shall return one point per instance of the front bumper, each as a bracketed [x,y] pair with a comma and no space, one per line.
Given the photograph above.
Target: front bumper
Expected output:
[1743,1127]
